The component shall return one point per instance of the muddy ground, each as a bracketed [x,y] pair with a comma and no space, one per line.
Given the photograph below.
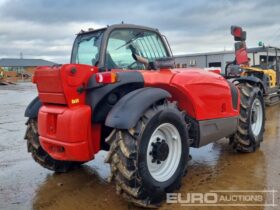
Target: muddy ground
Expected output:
[26,185]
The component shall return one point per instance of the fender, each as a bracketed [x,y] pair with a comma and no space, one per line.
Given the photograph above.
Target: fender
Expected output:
[252,80]
[33,108]
[234,94]
[128,110]
[98,98]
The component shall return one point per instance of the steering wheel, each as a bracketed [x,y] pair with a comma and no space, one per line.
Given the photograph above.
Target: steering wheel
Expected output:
[130,66]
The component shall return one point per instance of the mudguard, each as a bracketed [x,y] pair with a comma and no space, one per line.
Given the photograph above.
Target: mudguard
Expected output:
[97,98]
[252,80]
[126,113]
[33,108]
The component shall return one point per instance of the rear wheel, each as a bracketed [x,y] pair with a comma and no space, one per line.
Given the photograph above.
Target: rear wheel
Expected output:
[250,130]
[150,159]
[40,155]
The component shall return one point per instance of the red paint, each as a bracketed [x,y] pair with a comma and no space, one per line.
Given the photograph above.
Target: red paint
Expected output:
[71,129]
[241,55]
[237,31]
[217,71]
[202,94]
[59,84]
[66,131]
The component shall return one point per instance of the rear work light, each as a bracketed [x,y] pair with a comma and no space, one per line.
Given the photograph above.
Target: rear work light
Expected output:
[106,77]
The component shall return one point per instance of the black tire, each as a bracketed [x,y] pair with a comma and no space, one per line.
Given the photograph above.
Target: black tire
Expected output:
[40,155]
[128,157]
[244,139]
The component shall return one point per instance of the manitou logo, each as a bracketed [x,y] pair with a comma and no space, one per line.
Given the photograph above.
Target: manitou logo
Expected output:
[75,101]
[224,198]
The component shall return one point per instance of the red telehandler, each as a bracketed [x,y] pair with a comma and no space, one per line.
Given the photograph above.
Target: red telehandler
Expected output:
[121,93]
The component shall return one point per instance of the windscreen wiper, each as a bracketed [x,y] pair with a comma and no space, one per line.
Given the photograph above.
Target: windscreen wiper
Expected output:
[131,40]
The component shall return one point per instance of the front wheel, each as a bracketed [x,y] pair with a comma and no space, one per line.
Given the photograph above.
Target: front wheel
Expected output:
[251,124]
[150,159]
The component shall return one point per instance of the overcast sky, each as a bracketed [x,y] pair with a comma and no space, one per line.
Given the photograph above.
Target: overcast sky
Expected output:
[46,28]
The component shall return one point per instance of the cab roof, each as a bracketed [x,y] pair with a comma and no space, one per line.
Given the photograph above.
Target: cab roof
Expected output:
[117,26]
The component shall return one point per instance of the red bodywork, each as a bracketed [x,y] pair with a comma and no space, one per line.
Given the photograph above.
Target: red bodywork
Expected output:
[64,121]
[241,55]
[203,95]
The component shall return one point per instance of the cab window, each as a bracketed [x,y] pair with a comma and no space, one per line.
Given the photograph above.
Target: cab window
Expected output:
[123,43]
[87,47]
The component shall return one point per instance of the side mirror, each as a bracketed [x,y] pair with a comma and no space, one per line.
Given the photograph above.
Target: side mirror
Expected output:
[238,33]
[160,63]
[165,63]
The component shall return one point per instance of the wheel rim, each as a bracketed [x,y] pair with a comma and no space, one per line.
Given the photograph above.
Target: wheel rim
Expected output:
[256,117]
[164,152]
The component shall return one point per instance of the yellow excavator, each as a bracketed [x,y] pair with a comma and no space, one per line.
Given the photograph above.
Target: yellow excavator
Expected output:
[267,71]
[265,68]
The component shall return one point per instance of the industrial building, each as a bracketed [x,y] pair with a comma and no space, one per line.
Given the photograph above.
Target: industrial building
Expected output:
[258,56]
[15,69]
[23,64]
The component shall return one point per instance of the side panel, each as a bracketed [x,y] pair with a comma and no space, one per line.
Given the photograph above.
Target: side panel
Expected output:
[213,130]
[162,79]
[203,95]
